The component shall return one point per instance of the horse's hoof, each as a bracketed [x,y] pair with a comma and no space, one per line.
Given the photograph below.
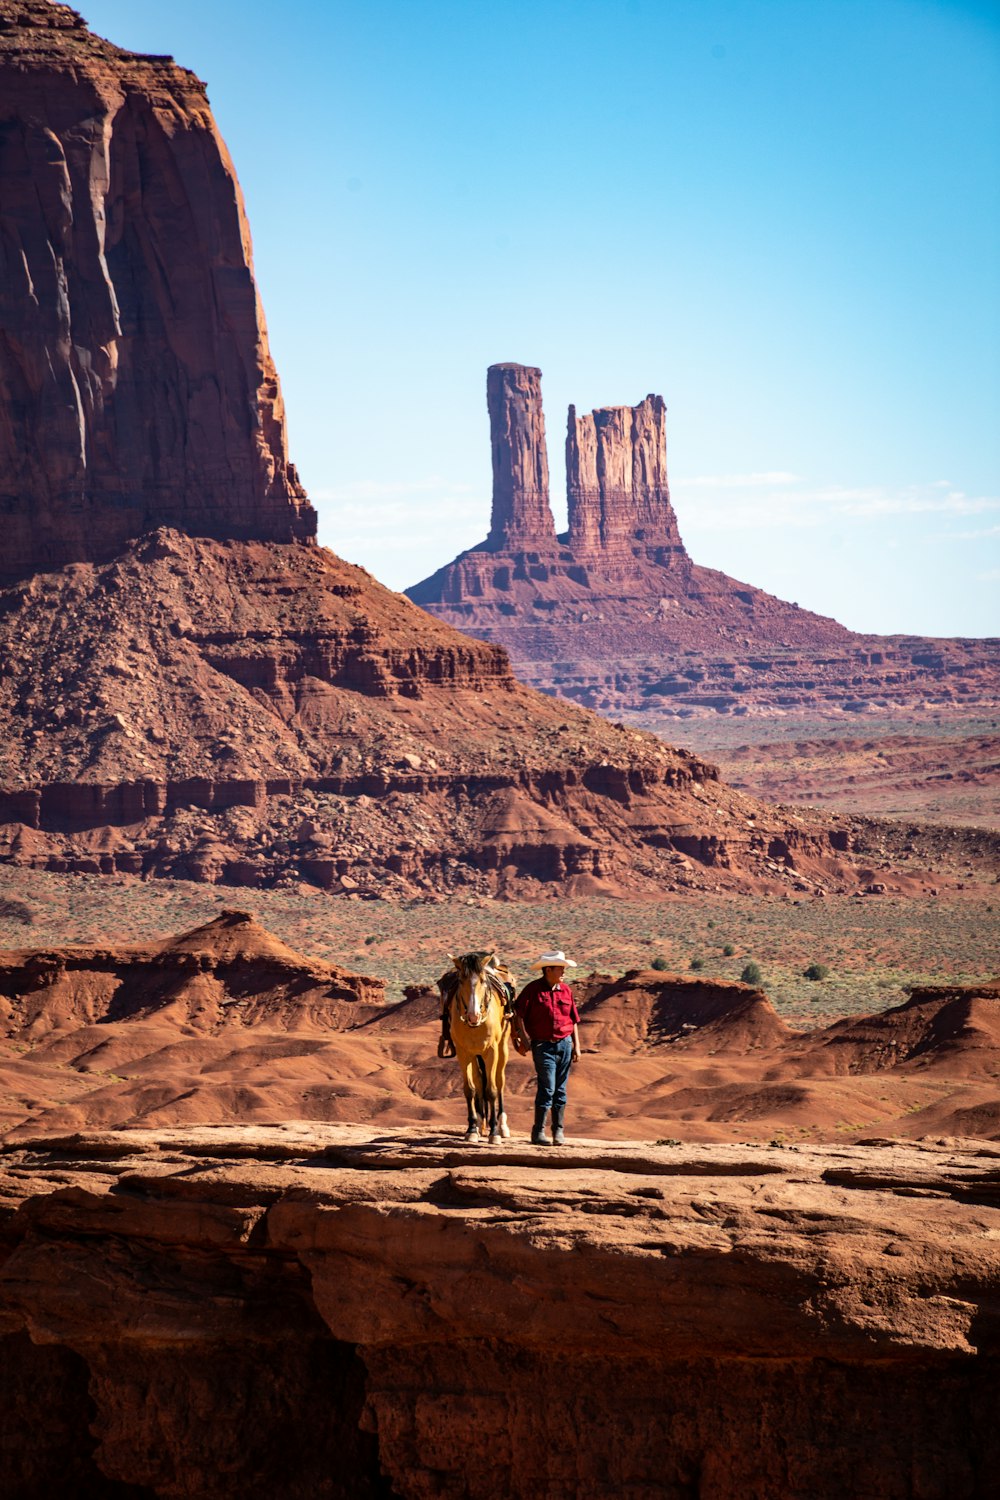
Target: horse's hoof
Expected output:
[496,1136]
[505,1129]
[471,1137]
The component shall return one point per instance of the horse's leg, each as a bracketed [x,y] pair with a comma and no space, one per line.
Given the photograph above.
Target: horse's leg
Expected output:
[482,1095]
[469,1088]
[491,1073]
[501,1076]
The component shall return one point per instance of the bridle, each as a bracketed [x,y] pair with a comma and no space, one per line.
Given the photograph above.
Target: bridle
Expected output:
[473,1011]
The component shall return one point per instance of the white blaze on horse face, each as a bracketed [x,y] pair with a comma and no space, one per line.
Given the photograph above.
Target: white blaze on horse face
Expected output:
[473,1013]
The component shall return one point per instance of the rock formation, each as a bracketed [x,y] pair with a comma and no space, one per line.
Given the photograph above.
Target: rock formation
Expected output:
[188,689]
[256,713]
[520,461]
[137,388]
[616,615]
[184,687]
[308,1311]
[616,486]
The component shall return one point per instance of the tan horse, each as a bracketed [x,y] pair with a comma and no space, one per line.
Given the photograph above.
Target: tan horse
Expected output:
[476,998]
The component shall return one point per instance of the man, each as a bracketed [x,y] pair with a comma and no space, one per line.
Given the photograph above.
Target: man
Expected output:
[546,1020]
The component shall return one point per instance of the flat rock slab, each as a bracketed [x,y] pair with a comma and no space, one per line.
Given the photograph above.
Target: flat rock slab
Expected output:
[624,1315]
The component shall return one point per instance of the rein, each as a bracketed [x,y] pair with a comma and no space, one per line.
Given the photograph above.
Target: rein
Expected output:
[495,990]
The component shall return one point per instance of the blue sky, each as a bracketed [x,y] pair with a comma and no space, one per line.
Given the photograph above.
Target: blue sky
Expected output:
[783,215]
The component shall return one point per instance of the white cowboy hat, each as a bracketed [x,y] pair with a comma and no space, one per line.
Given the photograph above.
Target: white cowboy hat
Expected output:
[554,961]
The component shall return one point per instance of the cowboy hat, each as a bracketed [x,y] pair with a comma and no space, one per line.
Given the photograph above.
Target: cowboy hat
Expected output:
[554,961]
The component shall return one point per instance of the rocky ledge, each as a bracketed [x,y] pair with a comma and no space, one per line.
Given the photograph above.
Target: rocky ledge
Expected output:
[322,1311]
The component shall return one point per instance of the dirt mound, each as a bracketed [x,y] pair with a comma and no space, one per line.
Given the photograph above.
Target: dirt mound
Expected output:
[954,1028]
[225,1023]
[230,972]
[646,1008]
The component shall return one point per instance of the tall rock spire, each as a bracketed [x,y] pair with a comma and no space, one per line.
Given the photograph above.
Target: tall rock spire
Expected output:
[521,512]
[616,482]
[137,388]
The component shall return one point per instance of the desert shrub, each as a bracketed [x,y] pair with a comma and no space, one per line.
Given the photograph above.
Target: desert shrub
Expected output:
[16,911]
[697,963]
[728,950]
[815,971]
[369,941]
[659,964]
[751,973]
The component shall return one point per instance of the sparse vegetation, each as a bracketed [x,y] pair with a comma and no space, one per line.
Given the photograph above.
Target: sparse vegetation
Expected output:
[875,950]
[15,911]
[728,950]
[697,964]
[815,972]
[751,974]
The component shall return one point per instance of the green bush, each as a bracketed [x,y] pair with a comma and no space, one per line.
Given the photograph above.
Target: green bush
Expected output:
[815,971]
[697,963]
[751,973]
[728,950]
[659,964]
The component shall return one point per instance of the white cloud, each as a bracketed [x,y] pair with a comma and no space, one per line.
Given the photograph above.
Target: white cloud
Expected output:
[364,491]
[737,481]
[783,500]
[979,533]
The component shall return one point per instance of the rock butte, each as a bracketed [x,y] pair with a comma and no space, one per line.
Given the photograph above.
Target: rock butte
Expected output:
[188,686]
[137,388]
[651,1321]
[614,613]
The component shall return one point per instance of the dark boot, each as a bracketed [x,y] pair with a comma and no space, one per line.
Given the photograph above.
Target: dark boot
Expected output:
[558,1110]
[538,1135]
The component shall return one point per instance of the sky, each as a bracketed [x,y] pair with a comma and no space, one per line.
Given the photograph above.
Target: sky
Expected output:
[781,215]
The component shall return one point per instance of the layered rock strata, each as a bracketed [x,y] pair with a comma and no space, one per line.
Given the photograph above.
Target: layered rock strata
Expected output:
[136,384]
[255,713]
[615,614]
[307,1311]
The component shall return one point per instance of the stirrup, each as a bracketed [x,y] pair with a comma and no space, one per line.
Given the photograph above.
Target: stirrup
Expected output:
[444,1043]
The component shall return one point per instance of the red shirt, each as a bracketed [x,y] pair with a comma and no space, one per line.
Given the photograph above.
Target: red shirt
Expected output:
[548,1014]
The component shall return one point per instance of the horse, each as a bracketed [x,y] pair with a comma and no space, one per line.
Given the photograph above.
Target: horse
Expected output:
[475,995]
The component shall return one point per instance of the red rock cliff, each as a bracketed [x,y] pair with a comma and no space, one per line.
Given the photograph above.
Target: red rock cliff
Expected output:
[136,383]
[616,483]
[307,1311]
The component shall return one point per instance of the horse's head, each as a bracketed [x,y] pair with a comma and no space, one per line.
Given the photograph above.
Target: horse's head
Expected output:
[473,991]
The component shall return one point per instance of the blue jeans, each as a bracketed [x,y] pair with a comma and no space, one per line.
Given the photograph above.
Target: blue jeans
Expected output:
[552,1060]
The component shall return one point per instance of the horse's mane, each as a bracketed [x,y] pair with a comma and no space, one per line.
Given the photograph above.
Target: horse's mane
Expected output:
[476,963]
